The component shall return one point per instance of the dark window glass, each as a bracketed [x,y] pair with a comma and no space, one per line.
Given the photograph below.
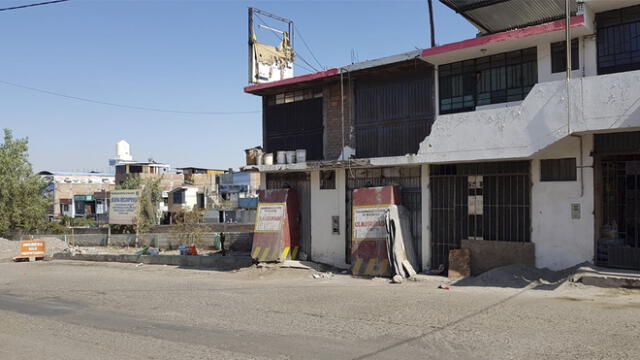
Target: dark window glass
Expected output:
[135,169]
[559,56]
[327,180]
[487,80]
[558,170]
[619,40]
[178,197]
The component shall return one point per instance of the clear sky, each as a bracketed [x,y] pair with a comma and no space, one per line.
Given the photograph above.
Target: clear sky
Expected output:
[173,54]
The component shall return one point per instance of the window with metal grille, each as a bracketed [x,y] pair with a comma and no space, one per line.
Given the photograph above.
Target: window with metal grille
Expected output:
[394,111]
[327,180]
[488,80]
[559,56]
[558,170]
[294,125]
[618,40]
[292,96]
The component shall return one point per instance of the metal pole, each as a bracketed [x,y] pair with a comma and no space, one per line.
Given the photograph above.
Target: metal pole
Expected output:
[569,62]
[250,66]
[342,109]
[431,24]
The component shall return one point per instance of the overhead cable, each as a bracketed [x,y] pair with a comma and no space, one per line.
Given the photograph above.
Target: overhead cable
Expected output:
[126,106]
[31,5]
[307,46]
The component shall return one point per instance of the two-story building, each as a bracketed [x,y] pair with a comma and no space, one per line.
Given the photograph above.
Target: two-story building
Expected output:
[487,138]
[72,194]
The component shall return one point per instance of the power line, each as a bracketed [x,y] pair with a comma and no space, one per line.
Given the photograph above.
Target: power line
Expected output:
[299,33]
[304,67]
[306,62]
[125,106]
[31,5]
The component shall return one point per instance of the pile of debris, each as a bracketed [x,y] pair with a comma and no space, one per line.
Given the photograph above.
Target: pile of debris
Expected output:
[517,276]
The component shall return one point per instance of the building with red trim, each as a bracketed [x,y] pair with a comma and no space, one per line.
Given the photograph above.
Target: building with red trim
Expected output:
[493,148]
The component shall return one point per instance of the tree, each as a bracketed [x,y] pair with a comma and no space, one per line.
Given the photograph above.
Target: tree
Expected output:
[150,197]
[23,205]
[189,229]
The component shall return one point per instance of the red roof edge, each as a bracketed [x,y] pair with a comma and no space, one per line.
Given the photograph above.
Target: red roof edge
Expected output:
[479,41]
[503,36]
[293,80]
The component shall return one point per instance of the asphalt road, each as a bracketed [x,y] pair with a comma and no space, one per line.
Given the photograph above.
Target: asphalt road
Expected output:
[76,310]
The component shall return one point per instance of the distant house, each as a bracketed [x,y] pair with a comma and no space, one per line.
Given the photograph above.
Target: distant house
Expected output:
[185,198]
[72,193]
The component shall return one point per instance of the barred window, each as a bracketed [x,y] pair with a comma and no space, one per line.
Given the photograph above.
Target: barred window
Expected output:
[559,56]
[327,180]
[488,80]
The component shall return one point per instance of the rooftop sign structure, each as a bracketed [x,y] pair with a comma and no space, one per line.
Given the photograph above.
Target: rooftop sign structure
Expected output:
[267,62]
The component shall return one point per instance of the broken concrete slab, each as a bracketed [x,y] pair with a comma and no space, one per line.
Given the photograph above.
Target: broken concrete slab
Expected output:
[607,278]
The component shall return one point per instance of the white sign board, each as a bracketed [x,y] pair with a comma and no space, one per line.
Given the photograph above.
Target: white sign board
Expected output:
[475,204]
[122,210]
[369,223]
[270,217]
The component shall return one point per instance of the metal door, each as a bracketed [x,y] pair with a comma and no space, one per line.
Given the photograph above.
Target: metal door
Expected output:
[300,182]
[408,178]
[489,201]
[620,245]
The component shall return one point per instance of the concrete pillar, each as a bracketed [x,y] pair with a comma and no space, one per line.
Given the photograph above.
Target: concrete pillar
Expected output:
[426,216]
[263,181]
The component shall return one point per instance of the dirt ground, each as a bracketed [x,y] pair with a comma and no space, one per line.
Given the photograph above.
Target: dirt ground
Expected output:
[78,310]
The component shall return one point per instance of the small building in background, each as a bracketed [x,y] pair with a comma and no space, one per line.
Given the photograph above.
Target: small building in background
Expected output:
[237,198]
[185,198]
[72,193]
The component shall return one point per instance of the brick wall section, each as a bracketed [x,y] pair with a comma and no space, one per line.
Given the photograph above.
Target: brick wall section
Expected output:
[333,120]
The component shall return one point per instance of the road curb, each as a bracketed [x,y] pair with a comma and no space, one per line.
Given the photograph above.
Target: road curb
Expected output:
[229,262]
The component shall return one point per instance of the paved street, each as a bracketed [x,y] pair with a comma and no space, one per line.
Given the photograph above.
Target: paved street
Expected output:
[77,310]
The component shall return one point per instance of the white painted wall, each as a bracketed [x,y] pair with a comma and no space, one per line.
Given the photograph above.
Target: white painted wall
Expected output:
[326,247]
[598,103]
[561,241]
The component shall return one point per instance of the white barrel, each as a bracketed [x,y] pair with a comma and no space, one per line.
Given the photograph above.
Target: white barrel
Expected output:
[291,157]
[267,159]
[281,157]
[260,159]
[301,156]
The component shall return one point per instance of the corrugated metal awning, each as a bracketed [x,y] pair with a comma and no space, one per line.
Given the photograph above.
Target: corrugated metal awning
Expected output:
[493,16]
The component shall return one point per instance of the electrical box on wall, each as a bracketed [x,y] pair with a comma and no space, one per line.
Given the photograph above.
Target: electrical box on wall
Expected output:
[575,211]
[335,225]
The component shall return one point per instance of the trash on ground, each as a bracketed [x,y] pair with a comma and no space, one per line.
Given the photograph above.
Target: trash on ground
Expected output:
[326,275]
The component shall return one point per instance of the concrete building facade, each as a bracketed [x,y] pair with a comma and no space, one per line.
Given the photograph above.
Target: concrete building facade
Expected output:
[487,139]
